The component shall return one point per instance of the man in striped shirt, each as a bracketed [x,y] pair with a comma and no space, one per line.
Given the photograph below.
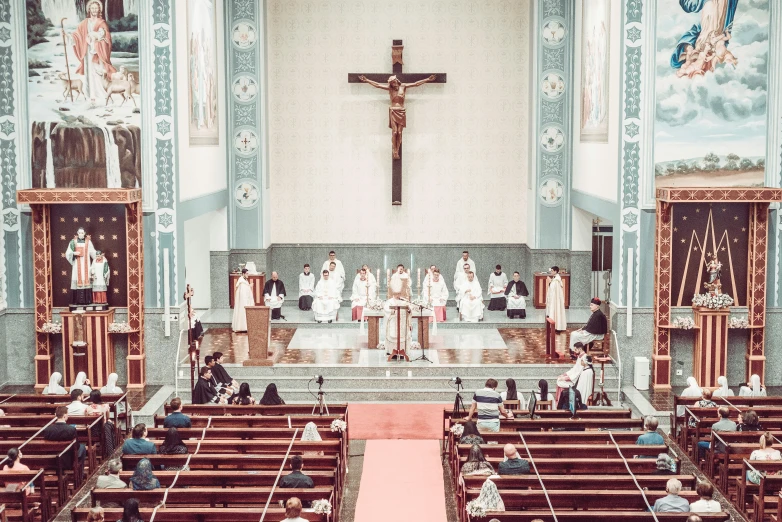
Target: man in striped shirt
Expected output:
[488,404]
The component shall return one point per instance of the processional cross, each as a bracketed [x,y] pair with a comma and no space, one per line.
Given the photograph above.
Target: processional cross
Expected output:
[396,84]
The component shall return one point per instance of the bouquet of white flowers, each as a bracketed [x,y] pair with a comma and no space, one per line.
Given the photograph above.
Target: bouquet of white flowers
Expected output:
[457,429]
[338,425]
[685,323]
[476,509]
[120,328]
[51,328]
[321,507]
[713,301]
[738,322]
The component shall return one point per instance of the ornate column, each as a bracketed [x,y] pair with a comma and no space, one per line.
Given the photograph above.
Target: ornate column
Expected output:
[661,356]
[135,244]
[42,267]
[755,358]
[554,114]
[247,159]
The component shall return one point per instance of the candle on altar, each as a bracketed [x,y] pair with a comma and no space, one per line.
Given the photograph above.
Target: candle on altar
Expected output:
[388,276]
[378,276]
[419,277]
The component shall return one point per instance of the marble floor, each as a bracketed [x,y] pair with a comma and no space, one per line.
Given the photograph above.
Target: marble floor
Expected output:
[341,346]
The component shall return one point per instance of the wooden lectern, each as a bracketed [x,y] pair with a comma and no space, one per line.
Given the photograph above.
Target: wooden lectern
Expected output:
[398,351]
[710,350]
[540,289]
[259,335]
[87,346]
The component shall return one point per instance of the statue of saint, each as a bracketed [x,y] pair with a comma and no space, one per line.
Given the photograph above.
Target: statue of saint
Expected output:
[80,254]
[714,269]
[397,119]
[100,278]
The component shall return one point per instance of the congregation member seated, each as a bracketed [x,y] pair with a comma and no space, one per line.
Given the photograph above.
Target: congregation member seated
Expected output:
[296,479]
[97,407]
[111,479]
[595,328]
[173,445]
[497,283]
[138,444]
[54,387]
[82,383]
[515,293]
[271,397]
[176,419]
[221,381]
[77,406]
[705,504]
[60,430]
[489,497]
[244,397]
[220,374]
[15,458]
[513,464]
[651,437]
[749,421]
[706,401]
[143,478]
[723,390]
[672,502]
[310,433]
[274,295]
[510,394]
[665,465]
[488,404]
[471,304]
[111,385]
[476,463]
[753,388]
[542,393]
[471,435]
[724,424]
[306,288]
[327,298]
[293,509]
[692,390]
[96,514]
[765,452]
[204,391]
[130,512]
[694,518]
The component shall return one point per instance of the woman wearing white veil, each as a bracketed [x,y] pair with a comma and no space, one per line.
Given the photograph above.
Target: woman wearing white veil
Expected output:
[81,383]
[311,433]
[753,389]
[490,498]
[111,385]
[54,387]
[723,390]
[692,390]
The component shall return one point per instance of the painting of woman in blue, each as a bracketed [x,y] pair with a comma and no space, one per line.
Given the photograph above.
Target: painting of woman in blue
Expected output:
[706,43]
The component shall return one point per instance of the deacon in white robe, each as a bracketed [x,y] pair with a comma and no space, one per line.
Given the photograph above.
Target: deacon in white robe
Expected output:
[555,300]
[515,292]
[326,304]
[337,263]
[243,296]
[465,259]
[570,377]
[471,304]
[497,283]
[435,293]
[274,295]
[459,284]
[362,287]
[306,288]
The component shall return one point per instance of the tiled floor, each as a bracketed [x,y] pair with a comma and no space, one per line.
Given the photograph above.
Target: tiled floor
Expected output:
[522,346]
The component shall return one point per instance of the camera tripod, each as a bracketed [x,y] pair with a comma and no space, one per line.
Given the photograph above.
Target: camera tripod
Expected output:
[458,402]
[321,404]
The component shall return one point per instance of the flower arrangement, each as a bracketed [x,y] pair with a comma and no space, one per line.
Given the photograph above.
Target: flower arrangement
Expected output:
[476,509]
[685,323]
[51,328]
[738,322]
[375,304]
[321,507]
[713,301]
[338,425]
[119,328]
[457,429]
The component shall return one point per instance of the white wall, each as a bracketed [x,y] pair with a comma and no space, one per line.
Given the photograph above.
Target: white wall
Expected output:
[596,165]
[465,147]
[202,235]
[202,169]
[582,230]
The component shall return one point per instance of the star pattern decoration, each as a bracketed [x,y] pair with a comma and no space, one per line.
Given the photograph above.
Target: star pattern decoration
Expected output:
[114,219]
[697,210]
[114,254]
[633,34]
[115,272]
[114,237]
[161,34]
[632,130]
[165,220]
[5,34]
[163,127]
[630,219]
[116,290]
[64,290]
[11,219]
[7,127]
[683,240]
[64,273]
[62,220]
[101,237]
[100,219]
[735,240]
[684,218]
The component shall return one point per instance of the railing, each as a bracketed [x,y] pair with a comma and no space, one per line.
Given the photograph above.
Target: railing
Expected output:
[617,364]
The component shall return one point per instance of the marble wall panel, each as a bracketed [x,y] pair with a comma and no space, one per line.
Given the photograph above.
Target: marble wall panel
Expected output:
[218,279]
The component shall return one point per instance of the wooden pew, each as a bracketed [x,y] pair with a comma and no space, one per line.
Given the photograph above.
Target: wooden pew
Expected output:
[211,496]
[40,493]
[253,478]
[278,446]
[703,418]
[749,494]
[740,402]
[52,464]
[727,437]
[335,410]
[625,500]
[119,406]
[183,514]
[595,516]
[323,423]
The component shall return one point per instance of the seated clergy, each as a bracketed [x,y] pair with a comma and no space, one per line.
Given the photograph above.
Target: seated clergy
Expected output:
[204,391]
[326,304]
[306,288]
[515,292]
[337,278]
[497,283]
[363,289]
[594,330]
[471,303]
[435,293]
[274,295]
[460,283]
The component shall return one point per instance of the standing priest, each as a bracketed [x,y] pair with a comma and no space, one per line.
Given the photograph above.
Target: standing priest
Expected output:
[555,300]
[337,265]
[363,290]
[516,291]
[274,295]
[594,330]
[243,297]
[306,288]
[436,294]
[497,283]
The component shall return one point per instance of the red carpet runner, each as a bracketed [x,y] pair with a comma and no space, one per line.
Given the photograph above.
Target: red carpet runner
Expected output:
[396,421]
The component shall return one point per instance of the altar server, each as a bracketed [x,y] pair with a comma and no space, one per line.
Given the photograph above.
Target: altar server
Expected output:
[570,377]
[436,293]
[586,380]
[243,296]
[515,292]
[471,304]
[555,299]
[497,283]
[465,259]
[362,287]
[306,288]
[326,304]
[274,295]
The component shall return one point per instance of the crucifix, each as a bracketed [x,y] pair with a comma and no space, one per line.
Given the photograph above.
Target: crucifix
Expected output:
[396,84]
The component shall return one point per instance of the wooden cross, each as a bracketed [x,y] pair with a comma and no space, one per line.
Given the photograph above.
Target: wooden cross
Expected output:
[381,80]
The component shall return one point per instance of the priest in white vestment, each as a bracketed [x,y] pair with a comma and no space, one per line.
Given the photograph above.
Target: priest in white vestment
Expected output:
[497,283]
[243,296]
[326,304]
[337,278]
[435,293]
[80,254]
[465,259]
[515,292]
[362,288]
[370,275]
[337,265]
[274,295]
[471,304]
[570,377]
[460,283]
[398,327]
[555,300]
[306,288]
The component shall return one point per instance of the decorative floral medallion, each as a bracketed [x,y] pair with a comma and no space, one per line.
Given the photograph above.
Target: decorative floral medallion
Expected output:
[246,142]
[551,192]
[552,139]
[247,194]
[245,89]
[244,35]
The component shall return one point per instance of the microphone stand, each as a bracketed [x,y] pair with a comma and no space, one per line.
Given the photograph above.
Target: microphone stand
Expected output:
[423,356]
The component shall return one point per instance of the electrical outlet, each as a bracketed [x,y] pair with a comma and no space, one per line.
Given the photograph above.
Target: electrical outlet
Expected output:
[679,373]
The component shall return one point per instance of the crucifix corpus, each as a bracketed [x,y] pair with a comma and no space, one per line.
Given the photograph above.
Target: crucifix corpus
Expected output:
[396,84]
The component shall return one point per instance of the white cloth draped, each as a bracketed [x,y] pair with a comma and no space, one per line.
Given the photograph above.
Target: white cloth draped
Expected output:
[79,384]
[111,385]
[555,302]
[243,297]
[585,383]
[274,300]
[326,301]
[755,390]
[471,304]
[573,374]
[515,301]
[404,327]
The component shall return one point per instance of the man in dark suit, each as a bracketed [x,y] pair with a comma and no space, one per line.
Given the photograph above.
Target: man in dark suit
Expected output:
[60,430]
[296,479]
